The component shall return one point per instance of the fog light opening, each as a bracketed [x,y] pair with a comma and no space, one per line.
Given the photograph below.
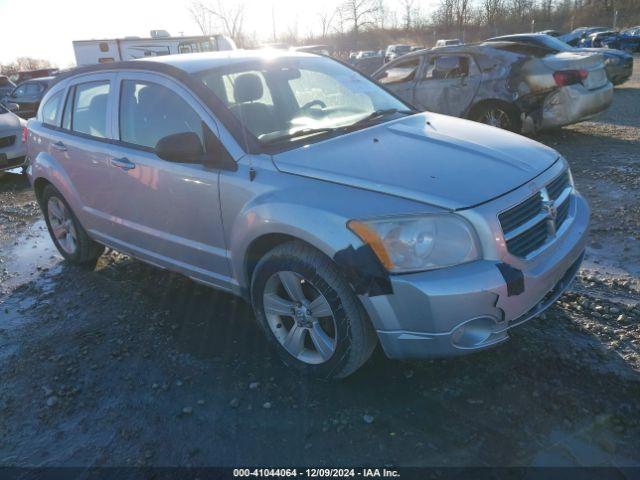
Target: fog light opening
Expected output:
[474,332]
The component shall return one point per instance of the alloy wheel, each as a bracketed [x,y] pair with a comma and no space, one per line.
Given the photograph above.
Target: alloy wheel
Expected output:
[300,317]
[62,225]
[496,117]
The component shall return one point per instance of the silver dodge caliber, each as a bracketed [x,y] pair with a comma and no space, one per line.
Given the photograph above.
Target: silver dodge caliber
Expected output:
[341,214]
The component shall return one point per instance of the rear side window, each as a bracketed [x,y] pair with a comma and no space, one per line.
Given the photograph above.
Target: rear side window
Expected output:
[90,109]
[400,72]
[50,110]
[149,112]
[447,67]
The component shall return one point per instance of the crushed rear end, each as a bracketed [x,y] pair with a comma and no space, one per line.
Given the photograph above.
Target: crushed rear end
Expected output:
[572,87]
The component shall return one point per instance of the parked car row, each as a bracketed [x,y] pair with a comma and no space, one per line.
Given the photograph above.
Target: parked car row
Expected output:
[603,37]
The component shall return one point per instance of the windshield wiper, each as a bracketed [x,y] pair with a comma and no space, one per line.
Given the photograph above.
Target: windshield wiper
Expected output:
[379,114]
[313,131]
[300,133]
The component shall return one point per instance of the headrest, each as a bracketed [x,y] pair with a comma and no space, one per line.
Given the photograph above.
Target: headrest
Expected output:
[98,102]
[146,95]
[247,88]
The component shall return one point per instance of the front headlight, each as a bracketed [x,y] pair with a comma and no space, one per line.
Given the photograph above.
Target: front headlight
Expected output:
[416,243]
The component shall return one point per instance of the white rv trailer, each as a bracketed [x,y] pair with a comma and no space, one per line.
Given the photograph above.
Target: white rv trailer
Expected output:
[89,52]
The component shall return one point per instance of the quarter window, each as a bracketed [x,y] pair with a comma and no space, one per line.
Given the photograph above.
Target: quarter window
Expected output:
[90,109]
[149,112]
[51,108]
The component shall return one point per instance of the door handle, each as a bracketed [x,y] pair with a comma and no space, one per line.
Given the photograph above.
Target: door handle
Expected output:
[61,147]
[124,163]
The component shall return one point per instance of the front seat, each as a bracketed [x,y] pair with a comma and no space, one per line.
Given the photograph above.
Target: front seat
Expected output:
[257,116]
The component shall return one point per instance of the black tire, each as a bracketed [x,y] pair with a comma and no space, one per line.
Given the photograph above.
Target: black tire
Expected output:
[88,251]
[507,116]
[355,338]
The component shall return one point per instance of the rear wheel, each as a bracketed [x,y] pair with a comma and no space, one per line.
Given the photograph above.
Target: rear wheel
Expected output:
[309,312]
[497,115]
[67,234]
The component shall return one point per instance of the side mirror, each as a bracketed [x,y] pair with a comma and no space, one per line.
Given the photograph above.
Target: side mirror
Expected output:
[180,148]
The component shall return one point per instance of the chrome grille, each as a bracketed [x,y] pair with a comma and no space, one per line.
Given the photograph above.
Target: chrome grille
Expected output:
[7,141]
[534,222]
[531,240]
[521,213]
[558,185]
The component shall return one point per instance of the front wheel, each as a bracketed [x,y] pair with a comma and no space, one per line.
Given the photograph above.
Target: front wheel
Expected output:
[309,312]
[67,234]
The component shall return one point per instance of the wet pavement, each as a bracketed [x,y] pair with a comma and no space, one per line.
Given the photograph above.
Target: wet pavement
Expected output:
[131,365]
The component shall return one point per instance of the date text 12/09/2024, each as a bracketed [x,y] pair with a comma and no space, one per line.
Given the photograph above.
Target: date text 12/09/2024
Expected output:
[316,472]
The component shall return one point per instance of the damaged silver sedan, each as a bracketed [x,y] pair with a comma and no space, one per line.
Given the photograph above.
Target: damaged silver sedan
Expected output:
[501,85]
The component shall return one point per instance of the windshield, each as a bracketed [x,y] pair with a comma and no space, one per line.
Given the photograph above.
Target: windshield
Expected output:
[275,99]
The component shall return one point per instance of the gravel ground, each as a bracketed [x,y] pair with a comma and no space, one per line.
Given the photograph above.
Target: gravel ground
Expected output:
[129,365]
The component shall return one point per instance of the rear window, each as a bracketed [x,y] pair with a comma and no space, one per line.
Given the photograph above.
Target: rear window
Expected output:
[90,109]
[51,108]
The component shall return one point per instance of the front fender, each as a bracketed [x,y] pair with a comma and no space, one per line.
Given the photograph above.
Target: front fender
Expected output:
[307,209]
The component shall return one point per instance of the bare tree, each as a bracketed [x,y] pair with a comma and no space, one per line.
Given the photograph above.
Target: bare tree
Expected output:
[492,11]
[444,14]
[228,16]
[381,14]
[24,64]
[407,13]
[462,12]
[326,20]
[360,13]
[520,10]
[202,17]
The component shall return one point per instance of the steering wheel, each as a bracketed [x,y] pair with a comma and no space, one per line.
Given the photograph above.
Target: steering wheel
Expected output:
[313,103]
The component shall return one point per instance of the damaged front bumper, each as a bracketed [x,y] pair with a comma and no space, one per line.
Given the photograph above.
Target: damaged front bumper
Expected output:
[568,105]
[470,307]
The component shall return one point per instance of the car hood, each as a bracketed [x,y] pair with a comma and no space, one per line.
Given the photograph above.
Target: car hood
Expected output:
[10,122]
[435,159]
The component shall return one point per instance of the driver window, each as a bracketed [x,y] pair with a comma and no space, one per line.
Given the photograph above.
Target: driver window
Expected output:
[149,112]
[447,66]
[400,72]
